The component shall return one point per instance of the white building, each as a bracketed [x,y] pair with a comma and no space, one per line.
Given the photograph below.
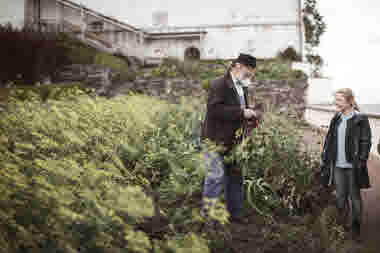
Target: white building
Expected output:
[263,28]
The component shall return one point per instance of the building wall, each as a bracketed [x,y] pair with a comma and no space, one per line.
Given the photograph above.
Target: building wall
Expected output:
[169,47]
[270,30]
[226,42]
[187,13]
[263,41]
[49,9]
[71,15]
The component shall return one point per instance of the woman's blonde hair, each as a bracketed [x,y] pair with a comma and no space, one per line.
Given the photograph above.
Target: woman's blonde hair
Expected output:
[348,94]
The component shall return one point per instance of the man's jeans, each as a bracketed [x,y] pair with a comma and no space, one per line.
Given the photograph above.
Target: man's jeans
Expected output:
[346,186]
[216,179]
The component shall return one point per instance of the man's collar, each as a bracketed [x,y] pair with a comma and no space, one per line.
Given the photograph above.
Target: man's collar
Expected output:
[234,79]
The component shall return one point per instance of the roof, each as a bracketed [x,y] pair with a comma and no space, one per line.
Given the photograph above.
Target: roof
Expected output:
[174,35]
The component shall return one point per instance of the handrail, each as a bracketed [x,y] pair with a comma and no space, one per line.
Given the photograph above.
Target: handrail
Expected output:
[91,35]
[330,109]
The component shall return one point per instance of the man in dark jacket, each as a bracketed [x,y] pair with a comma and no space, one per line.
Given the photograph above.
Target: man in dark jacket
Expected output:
[226,113]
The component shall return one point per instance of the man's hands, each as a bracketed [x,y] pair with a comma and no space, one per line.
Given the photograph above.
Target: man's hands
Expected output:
[249,113]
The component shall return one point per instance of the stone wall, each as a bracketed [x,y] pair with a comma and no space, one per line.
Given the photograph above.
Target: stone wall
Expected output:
[287,96]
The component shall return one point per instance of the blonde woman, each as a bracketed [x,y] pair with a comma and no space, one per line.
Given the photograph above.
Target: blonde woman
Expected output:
[345,154]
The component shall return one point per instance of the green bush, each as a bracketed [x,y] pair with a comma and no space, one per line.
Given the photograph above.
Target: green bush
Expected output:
[79,163]
[278,172]
[206,84]
[271,69]
[172,67]
[277,70]
[78,52]
[289,54]
[111,61]
[42,93]
[89,174]
[28,56]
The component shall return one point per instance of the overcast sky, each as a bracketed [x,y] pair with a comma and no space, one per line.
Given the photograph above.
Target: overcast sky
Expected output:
[350,46]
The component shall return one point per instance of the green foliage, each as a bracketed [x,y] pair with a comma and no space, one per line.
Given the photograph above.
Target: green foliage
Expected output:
[206,84]
[315,26]
[110,61]
[78,52]
[83,166]
[277,69]
[172,67]
[189,243]
[138,242]
[289,54]
[278,172]
[274,69]
[212,73]
[86,174]
[172,159]
[42,93]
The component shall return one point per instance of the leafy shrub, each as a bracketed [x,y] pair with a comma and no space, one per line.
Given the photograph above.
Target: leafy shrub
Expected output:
[271,69]
[206,84]
[172,67]
[278,172]
[290,54]
[42,93]
[277,70]
[28,56]
[111,61]
[173,159]
[78,175]
[72,168]
[78,52]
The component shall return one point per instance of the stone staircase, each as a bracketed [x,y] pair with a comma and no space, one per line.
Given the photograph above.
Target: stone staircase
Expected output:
[90,38]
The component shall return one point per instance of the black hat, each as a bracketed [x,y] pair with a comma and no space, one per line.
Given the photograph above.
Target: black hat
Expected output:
[247,60]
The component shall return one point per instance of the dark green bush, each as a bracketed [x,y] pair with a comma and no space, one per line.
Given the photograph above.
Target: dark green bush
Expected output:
[290,54]
[278,172]
[28,56]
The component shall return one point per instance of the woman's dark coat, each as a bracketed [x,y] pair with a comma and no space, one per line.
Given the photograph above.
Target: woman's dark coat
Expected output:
[357,148]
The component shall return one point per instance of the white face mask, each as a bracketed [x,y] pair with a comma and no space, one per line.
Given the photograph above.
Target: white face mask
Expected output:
[246,82]
[244,77]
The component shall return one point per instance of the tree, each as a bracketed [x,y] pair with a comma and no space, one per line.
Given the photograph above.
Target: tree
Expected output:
[314,28]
